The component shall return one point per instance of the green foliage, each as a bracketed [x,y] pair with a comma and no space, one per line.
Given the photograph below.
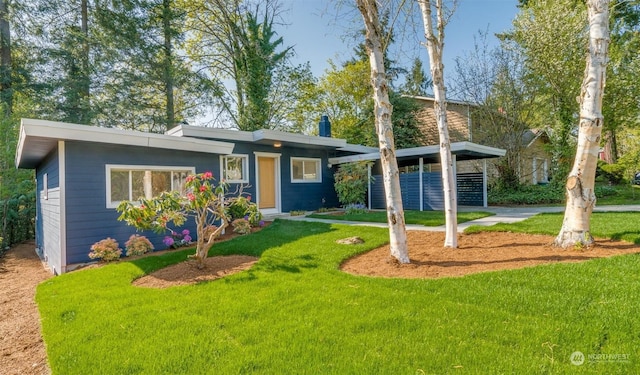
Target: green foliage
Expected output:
[138,245]
[241,226]
[242,208]
[351,182]
[333,322]
[18,218]
[355,209]
[613,173]
[108,250]
[526,194]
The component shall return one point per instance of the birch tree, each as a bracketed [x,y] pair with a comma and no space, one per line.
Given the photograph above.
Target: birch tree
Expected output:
[581,199]
[434,35]
[384,129]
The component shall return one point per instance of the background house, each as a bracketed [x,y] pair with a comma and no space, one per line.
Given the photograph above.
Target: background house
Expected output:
[466,123]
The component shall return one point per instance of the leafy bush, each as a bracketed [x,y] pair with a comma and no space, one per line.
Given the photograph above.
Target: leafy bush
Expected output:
[614,173]
[209,230]
[243,208]
[355,209]
[17,215]
[241,226]
[351,182]
[106,250]
[138,245]
[527,194]
[178,239]
[605,191]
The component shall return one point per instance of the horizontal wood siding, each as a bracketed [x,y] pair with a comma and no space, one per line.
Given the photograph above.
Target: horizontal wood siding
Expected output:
[88,219]
[410,191]
[377,193]
[433,194]
[48,212]
[470,191]
[295,196]
[49,218]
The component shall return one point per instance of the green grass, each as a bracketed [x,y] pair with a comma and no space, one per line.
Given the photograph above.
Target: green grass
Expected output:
[616,225]
[294,312]
[426,218]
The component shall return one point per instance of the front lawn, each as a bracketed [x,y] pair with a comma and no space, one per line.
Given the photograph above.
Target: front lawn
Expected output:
[426,218]
[294,312]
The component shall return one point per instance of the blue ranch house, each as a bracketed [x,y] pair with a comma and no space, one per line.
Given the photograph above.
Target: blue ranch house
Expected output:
[84,172]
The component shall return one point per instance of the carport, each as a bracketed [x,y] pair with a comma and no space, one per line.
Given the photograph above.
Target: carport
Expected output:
[422,189]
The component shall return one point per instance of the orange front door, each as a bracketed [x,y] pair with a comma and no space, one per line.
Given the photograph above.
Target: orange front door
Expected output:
[266,182]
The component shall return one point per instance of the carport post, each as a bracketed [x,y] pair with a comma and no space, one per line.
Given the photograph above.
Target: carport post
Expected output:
[369,185]
[420,167]
[484,183]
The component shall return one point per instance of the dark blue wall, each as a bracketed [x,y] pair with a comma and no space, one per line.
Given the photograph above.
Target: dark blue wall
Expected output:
[49,166]
[88,218]
[295,196]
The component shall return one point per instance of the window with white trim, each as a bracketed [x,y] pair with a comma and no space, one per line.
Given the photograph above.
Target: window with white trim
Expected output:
[235,168]
[306,170]
[125,182]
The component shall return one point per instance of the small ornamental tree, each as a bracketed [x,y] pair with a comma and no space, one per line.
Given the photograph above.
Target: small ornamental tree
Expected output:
[351,183]
[203,200]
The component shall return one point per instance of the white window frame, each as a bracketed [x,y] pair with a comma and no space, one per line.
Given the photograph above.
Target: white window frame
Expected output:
[318,162]
[245,168]
[131,168]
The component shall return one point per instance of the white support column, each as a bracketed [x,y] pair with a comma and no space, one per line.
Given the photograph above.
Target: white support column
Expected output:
[485,198]
[534,168]
[420,168]
[369,185]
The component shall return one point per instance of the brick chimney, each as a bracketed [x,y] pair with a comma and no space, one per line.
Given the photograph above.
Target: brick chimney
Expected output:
[324,129]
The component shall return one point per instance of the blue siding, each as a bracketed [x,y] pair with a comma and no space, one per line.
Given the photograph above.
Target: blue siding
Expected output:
[469,191]
[49,166]
[294,196]
[88,218]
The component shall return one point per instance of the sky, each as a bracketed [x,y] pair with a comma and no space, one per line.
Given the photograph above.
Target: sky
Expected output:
[319,29]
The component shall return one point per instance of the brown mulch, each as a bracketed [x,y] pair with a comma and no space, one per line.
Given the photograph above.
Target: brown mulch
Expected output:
[480,252]
[22,349]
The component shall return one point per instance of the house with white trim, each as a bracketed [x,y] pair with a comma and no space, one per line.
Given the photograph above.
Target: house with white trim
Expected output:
[83,173]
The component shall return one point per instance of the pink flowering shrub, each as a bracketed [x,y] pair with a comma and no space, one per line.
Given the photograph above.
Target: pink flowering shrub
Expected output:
[203,200]
[106,250]
[137,245]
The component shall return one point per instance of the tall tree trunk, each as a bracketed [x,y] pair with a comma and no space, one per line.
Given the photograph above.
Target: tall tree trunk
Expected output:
[384,129]
[581,199]
[85,85]
[435,46]
[168,64]
[6,89]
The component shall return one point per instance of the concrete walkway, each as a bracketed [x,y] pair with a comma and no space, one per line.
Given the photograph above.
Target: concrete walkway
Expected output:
[502,215]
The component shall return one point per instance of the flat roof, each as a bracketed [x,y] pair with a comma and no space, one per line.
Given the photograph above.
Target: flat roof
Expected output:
[462,150]
[268,137]
[39,137]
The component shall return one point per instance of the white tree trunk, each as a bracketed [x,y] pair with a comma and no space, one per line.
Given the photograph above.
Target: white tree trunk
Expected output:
[581,200]
[384,129]
[435,46]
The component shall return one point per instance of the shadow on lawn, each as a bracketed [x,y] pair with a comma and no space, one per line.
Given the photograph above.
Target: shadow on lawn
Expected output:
[279,233]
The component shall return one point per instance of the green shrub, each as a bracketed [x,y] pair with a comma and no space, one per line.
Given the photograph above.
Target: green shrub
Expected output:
[351,182]
[605,191]
[352,209]
[527,194]
[614,173]
[243,208]
[138,245]
[106,250]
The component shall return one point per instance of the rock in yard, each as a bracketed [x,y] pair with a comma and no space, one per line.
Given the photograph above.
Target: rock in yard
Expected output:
[350,240]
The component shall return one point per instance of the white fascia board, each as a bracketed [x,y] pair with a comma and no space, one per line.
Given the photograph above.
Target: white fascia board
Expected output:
[470,146]
[42,136]
[211,133]
[275,135]
[358,148]
[352,158]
